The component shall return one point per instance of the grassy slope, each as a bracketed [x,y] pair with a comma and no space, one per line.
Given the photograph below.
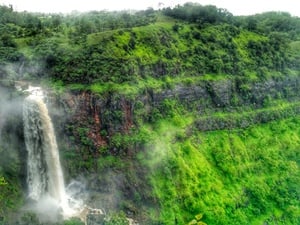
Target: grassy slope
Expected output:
[248,176]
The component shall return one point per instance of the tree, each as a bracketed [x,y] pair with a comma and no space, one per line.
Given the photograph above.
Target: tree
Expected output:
[2,181]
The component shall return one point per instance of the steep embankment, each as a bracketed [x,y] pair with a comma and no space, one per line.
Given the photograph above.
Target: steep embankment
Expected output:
[252,102]
[215,148]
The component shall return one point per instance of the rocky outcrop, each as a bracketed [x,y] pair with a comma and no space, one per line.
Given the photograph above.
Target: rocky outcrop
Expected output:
[231,93]
[96,117]
[100,117]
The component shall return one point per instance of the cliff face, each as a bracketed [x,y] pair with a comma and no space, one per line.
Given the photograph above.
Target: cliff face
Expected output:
[89,126]
[101,117]
[230,94]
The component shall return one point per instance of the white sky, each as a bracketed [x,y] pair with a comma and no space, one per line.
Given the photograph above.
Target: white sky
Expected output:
[237,7]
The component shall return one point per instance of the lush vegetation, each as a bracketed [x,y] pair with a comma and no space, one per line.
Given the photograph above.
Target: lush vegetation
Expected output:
[228,176]
[218,159]
[99,47]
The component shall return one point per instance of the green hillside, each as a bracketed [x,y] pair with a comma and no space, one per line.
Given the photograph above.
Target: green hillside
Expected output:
[180,116]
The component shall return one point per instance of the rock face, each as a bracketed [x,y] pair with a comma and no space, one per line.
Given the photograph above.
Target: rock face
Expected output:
[97,117]
[100,117]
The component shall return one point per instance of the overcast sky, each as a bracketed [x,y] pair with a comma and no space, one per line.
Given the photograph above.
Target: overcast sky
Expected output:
[237,7]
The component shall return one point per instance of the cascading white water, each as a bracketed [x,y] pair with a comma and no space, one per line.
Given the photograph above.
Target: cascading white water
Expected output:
[44,173]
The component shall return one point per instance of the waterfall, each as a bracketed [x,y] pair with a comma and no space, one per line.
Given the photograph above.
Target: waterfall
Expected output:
[44,172]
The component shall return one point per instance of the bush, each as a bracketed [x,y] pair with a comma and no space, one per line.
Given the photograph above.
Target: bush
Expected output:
[117,219]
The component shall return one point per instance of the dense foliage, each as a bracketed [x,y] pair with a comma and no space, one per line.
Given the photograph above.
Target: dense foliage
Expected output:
[233,160]
[122,47]
[202,15]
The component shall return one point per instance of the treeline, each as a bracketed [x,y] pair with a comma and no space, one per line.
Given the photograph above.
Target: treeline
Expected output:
[20,24]
[95,21]
[270,22]
[15,25]
[263,23]
[196,13]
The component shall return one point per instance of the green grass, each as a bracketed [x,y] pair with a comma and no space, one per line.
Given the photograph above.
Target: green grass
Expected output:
[243,117]
[126,89]
[295,46]
[234,176]
[133,88]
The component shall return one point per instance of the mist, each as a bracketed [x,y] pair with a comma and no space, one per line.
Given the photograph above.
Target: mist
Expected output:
[11,129]
[47,209]
[11,104]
